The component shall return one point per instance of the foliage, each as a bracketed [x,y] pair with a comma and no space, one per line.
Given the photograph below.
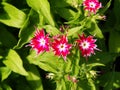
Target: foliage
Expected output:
[21,68]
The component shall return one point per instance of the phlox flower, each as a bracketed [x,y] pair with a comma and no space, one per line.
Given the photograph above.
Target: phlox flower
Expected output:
[92,5]
[40,41]
[87,45]
[61,46]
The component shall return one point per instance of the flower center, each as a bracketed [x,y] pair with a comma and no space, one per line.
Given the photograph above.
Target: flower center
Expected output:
[92,4]
[62,47]
[42,42]
[85,45]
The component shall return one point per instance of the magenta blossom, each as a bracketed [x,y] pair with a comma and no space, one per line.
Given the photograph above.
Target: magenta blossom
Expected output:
[92,5]
[87,45]
[61,47]
[40,41]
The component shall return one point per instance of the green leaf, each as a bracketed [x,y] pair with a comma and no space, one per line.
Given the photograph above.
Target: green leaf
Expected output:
[116,14]
[102,57]
[26,32]
[14,62]
[5,72]
[61,85]
[110,80]
[63,3]
[109,85]
[47,61]
[94,65]
[66,13]
[92,28]
[91,83]
[116,11]
[74,30]
[84,85]
[58,85]
[114,41]
[12,16]
[52,30]
[6,38]
[33,78]
[5,87]
[1,57]
[42,6]
[105,8]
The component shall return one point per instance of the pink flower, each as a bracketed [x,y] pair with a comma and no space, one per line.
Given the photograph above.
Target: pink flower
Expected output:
[40,41]
[87,45]
[72,78]
[92,5]
[61,47]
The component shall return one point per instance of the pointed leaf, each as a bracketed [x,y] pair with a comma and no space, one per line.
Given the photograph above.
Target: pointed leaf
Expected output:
[42,6]
[105,8]
[14,62]
[5,72]
[12,16]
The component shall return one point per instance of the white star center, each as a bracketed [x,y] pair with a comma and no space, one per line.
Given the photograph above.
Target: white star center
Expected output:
[42,42]
[62,47]
[92,4]
[85,45]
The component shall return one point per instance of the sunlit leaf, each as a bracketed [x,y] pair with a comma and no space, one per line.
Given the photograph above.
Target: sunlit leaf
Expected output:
[95,64]
[52,30]
[74,30]
[12,16]
[93,28]
[5,72]
[47,61]
[42,6]
[14,62]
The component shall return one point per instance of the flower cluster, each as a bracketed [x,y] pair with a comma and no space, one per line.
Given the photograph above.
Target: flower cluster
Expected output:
[59,44]
[92,5]
[41,42]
